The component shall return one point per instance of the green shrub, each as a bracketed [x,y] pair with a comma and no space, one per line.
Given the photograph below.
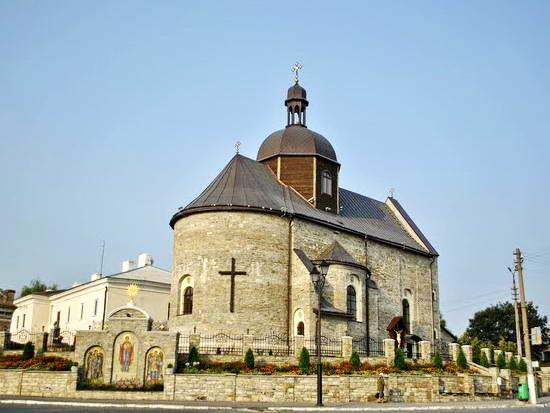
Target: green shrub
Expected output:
[249,359]
[513,364]
[501,361]
[437,361]
[355,361]
[483,360]
[522,365]
[193,356]
[28,351]
[399,360]
[461,360]
[303,362]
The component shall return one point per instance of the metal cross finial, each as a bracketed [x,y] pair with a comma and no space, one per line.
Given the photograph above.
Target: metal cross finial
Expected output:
[237,146]
[392,192]
[296,68]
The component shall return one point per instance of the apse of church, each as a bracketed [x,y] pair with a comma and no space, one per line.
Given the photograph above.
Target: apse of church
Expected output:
[241,248]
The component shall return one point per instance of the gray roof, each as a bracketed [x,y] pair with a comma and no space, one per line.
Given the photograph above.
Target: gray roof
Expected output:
[250,185]
[145,273]
[296,140]
[336,253]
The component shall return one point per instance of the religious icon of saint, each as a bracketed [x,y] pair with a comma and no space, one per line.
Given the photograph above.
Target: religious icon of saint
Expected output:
[94,369]
[154,366]
[126,354]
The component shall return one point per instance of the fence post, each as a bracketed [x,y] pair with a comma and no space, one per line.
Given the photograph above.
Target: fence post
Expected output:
[4,338]
[508,356]
[468,352]
[425,350]
[194,341]
[389,349]
[298,345]
[40,342]
[454,349]
[496,354]
[347,347]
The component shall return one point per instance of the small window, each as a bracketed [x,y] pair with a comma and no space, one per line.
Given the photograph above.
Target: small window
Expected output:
[351,302]
[188,301]
[95,306]
[81,311]
[300,329]
[407,315]
[69,314]
[17,324]
[24,318]
[326,183]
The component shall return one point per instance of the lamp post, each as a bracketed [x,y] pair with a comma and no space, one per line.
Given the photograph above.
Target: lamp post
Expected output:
[318,277]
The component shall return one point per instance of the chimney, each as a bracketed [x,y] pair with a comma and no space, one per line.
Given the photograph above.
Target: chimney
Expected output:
[144,259]
[95,276]
[128,265]
[10,295]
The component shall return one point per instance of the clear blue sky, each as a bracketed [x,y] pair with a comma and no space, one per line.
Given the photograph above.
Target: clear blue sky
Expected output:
[115,113]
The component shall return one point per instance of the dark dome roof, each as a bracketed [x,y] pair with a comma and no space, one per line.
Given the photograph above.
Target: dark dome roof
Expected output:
[296,140]
[296,92]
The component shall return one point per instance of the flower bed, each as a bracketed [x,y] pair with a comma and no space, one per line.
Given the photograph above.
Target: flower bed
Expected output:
[120,385]
[50,363]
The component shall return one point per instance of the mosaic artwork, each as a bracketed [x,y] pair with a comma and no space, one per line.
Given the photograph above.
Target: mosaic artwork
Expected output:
[94,364]
[154,363]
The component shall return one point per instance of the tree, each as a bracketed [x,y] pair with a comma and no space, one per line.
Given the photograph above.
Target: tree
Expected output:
[303,362]
[249,359]
[501,361]
[461,360]
[522,366]
[36,286]
[399,360]
[437,361]
[513,365]
[355,360]
[193,356]
[483,360]
[28,351]
[496,323]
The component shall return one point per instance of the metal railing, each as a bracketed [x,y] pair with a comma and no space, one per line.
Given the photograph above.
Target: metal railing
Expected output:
[61,342]
[273,345]
[368,347]
[221,344]
[330,347]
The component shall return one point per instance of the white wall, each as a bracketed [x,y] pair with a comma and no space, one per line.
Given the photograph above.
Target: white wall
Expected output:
[35,311]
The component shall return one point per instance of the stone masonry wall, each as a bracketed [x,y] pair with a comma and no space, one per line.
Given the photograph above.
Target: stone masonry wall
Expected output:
[37,383]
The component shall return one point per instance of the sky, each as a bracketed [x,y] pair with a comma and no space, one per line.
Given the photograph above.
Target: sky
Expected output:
[115,113]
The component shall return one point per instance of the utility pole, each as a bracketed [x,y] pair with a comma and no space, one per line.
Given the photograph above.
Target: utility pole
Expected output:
[530,375]
[515,303]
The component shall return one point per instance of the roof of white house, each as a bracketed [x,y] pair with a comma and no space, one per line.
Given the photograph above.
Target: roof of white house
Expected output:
[146,273]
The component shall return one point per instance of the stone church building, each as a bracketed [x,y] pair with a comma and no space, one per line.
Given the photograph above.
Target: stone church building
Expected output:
[261,220]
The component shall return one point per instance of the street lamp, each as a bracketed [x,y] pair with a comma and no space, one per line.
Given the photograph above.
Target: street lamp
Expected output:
[318,277]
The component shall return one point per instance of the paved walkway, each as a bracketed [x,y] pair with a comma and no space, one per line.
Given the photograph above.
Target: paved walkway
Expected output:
[270,407]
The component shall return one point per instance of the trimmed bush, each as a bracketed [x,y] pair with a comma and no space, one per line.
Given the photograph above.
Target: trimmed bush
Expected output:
[437,361]
[522,366]
[399,360]
[513,365]
[303,362]
[193,356]
[355,361]
[249,359]
[483,360]
[501,361]
[461,360]
[28,351]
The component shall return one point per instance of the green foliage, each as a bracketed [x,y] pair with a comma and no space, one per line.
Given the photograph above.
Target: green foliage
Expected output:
[442,323]
[501,361]
[483,360]
[461,360]
[513,364]
[303,362]
[355,360]
[399,360]
[506,345]
[249,359]
[437,361]
[522,366]
[193,356]
[28,351]
[36,286]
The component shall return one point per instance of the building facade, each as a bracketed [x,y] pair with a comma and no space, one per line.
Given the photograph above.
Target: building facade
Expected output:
[6,308]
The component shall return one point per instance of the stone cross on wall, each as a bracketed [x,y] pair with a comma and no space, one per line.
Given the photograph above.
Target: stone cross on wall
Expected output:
[232,273]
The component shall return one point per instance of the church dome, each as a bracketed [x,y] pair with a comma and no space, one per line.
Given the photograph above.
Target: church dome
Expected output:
[296,140]
[296,92]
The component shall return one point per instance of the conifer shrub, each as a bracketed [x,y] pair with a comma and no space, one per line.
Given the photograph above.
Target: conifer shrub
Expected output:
[483,360]
[461,360]
[193,356]
[28,351]
[437,361]
[303,362]
[522,366]
[513,365]
[501,361]
[355,360]
[399,360]
[249,359]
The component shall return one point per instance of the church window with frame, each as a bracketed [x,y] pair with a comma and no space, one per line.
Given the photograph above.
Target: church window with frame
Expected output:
[326,183]
[351,302]
[300,329]
[407,315]
[188,300]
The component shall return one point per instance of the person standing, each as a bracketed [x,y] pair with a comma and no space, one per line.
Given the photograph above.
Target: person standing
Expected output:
[380,385]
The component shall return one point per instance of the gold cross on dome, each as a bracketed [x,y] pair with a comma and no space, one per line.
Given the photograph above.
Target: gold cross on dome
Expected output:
[296,68]
[237,146]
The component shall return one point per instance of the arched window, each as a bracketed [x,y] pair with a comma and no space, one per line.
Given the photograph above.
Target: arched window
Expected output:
[188,300]
[407,315]
[300,329]
[326,183]
[351,302]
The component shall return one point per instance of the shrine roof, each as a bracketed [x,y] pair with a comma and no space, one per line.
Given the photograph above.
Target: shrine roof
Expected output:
[336,253]
[245,184]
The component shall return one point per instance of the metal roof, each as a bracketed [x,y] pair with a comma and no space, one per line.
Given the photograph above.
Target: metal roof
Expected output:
[245,184]
[336,253]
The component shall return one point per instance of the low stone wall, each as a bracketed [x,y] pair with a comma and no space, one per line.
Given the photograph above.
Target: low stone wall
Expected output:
[289,360]
[38,383]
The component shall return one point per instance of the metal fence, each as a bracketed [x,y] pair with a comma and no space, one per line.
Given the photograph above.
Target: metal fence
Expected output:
[221,344]
[412,352]
[443,350]
[368,347]
[62,341]
[330,347]
[273,345]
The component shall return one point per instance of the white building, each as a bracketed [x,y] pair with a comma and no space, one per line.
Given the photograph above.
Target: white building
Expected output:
[85,306]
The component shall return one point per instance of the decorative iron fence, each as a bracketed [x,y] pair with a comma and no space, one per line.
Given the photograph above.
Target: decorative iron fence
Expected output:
[16,341]
[273,345]
[330,347]
[221,344]
[183,344]
[443,350]
[412,352]
[61,341]
[368,347]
